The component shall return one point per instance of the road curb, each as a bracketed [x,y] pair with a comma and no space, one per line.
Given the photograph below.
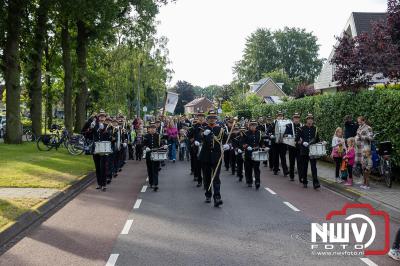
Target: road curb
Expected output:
[393,212]
[29,218]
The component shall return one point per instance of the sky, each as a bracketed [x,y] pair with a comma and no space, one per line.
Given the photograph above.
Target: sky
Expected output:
[206,37]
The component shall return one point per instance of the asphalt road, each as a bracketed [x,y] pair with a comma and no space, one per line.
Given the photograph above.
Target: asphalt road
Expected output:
[132,225]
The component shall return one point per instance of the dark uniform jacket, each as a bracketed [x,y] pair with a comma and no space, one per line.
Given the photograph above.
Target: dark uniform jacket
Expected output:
[254,140]
[152,141]
[211,145]
[310,135]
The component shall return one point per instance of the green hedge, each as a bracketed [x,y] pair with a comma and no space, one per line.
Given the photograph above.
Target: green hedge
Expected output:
[380,107]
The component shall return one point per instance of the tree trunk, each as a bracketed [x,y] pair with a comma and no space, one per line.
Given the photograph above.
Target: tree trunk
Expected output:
[67,65]
[49,93]
[12,71]
[35,71]
[81,53]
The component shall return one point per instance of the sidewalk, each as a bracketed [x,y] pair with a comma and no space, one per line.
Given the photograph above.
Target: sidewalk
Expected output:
[379,195]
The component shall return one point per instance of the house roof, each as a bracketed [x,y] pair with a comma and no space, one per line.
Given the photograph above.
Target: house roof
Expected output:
[197,101]
[362,21]
[256,86]
[359,22]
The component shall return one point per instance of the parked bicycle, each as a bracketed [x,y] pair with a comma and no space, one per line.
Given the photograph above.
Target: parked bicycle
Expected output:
[28,135]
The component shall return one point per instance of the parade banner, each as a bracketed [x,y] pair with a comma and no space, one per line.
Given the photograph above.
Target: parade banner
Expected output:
[171,102]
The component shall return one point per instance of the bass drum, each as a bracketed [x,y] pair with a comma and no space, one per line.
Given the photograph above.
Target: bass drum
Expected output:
[280,127]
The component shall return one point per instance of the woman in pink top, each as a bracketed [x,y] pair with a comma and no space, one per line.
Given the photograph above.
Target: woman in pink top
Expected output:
[350,157]
[172,133]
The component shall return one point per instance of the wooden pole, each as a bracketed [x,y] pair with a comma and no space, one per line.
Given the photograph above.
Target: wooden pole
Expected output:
[220,158]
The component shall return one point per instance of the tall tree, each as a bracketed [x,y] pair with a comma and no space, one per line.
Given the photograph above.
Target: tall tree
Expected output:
[11,70]
[260,56]
[298,53]
[35,69]
[81,54]
[186,95]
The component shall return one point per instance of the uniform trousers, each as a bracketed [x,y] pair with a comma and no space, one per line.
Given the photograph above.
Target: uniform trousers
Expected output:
[209,169]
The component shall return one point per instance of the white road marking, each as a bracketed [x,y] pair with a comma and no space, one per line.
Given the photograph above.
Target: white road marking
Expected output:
[368,262]
[144,189]
[291,206]
[270,191]
[127,227]
[137,204]
[112,259]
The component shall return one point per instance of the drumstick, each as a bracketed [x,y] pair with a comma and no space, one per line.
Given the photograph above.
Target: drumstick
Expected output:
[220,158]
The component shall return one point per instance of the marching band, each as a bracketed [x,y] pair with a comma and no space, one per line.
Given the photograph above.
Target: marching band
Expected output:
[240,145]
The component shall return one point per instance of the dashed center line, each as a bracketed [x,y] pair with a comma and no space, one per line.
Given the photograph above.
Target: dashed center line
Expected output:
[291,206]
[368,262]
[112,259]
[270,191]
[137,204]
[127,227]
[144,189]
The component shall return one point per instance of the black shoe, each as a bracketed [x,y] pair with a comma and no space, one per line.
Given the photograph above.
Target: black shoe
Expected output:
[257,186]
[173,161]
[249,185]
[155,188]
[218,202]
[98,187]
[120,169]
[304,185]
[115,175]
[292,179]
[199,184]
[208,200]
[108,181]
[317,186]
[275,173]
[103,188]
[195,179]
[240,179]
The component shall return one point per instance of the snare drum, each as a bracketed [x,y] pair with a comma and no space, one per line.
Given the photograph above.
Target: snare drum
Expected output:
[259,156]
[280,127]
[158,156]
[102,147]
[317,150]
[289,141]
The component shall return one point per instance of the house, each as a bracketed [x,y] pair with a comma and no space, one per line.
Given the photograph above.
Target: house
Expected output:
[199,104]
[268,89]
[358,23]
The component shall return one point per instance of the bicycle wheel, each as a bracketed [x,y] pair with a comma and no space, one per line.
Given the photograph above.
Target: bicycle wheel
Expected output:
[387,172]
[29,136]
[46,142]
[75,145]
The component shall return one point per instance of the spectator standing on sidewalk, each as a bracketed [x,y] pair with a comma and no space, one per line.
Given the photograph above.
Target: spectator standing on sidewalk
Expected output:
[363,139]
[350,127]
[338,149]
[350,157]
[366,167]
[172,134]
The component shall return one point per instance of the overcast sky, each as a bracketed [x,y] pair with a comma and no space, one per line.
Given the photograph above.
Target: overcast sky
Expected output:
[206,37]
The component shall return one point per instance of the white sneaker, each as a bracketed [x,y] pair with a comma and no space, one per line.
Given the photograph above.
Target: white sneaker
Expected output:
[394,254]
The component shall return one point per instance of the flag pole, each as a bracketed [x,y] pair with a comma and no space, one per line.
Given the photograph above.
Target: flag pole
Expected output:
[165,102]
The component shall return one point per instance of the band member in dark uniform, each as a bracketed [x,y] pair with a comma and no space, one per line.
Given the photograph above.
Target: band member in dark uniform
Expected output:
[195,138]
[279,151]
[251,142]
[210,156]
[294,152]
[270,131]
[152,140]
[99,133]
[227,151]
[237,143]
[232,148]
[307,136]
